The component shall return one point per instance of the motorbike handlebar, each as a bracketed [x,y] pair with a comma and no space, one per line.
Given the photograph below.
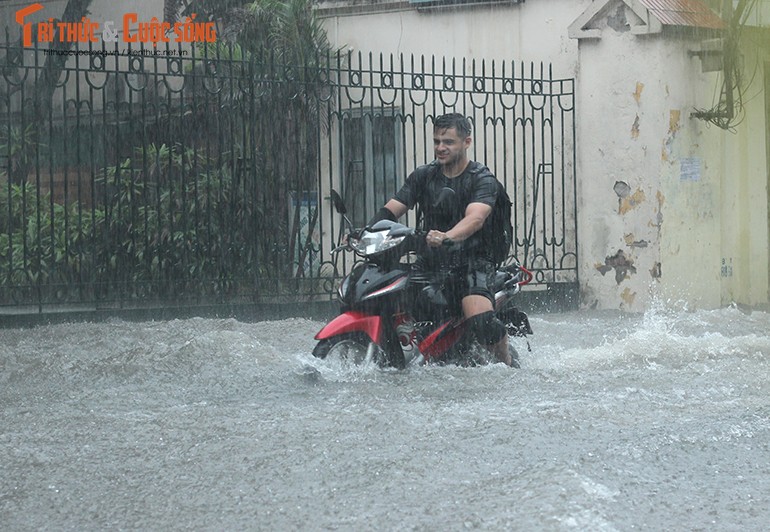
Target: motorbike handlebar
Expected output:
[418,239]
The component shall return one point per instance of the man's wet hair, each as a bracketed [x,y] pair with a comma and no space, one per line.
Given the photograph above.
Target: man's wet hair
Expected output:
[454,120]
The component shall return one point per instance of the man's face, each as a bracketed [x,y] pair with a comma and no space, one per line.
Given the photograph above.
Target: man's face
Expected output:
[448,147]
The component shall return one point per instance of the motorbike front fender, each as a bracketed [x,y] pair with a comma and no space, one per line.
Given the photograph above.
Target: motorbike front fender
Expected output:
[348,322]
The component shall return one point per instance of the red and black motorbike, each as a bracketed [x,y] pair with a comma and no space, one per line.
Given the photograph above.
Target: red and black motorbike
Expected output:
[394,313]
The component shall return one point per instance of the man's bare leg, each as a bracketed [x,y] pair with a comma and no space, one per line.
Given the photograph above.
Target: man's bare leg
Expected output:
[502,351]
[474,305]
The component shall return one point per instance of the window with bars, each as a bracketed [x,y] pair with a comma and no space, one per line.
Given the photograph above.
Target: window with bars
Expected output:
[371,167]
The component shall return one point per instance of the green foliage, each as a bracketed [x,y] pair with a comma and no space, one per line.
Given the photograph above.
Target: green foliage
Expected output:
[170,223]
[42,241]
[174,221]
[288,28]
[19,146]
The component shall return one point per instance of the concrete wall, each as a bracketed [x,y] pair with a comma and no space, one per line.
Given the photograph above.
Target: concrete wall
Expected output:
[671,208]
[533,31]
[650,210]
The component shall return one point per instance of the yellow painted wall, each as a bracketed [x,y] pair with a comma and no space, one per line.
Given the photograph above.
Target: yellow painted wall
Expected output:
[743,160]
[714,239]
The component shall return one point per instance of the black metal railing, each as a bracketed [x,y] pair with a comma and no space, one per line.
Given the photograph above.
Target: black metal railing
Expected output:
[524,130]
[135,177]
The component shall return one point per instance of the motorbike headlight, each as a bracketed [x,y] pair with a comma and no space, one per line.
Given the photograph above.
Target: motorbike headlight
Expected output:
[377,242]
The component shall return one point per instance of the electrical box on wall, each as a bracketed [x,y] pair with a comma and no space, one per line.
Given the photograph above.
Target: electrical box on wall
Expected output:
[711,53]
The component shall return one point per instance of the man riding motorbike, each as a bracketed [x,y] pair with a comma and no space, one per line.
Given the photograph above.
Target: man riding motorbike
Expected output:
[475,192]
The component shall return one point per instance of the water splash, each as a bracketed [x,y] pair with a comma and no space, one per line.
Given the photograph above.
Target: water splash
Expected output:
[337,369]
[660,338]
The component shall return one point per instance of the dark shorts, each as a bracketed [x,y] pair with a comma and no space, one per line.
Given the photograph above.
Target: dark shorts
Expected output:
[462,277]
[479,279]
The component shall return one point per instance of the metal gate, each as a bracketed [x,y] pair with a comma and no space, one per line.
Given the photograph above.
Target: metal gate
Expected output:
[185,177]
[524,130]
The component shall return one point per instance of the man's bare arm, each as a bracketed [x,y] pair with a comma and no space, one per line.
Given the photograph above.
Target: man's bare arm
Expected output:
[397,208]
[475,214]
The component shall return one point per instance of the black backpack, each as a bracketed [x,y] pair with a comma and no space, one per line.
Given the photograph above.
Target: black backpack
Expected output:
[499,233]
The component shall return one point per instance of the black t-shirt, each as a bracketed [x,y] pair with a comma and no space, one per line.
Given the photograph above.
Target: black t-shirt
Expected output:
[423,187]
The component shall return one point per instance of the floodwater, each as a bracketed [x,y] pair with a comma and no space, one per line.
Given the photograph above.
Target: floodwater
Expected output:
[622,422]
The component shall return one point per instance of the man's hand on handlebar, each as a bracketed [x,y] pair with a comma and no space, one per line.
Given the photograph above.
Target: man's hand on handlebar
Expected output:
[436,239]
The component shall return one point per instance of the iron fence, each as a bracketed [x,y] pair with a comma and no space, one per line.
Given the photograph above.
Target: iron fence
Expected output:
[201,175]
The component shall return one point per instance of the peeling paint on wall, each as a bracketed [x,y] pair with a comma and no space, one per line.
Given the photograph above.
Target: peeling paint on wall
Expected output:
[674,125]
[619,21]
[661,200]
[630,202]
[638,92]
[655,272]
[626,200]
[621,188]
[631,242]
[620,263]
[673,121]
[628,297]
[635,128]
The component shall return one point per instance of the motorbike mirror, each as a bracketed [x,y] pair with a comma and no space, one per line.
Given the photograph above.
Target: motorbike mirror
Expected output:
[339,205]
[445,196]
